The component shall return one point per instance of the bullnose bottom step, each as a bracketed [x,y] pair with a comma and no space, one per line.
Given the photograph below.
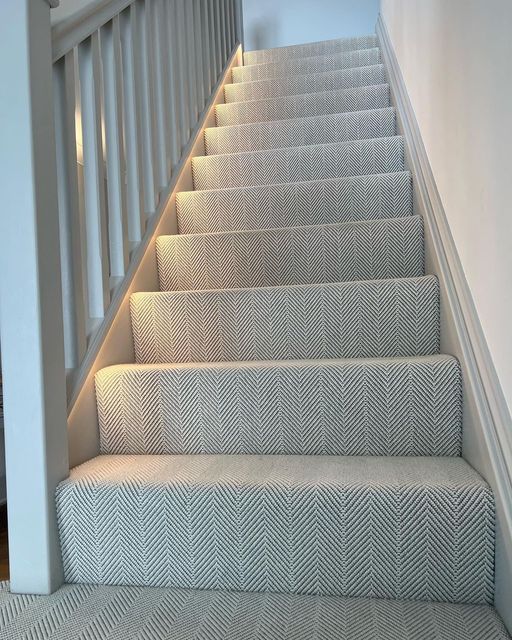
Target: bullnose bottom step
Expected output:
[130,613]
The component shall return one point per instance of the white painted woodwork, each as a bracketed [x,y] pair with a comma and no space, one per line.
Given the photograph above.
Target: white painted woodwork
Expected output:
[31,322]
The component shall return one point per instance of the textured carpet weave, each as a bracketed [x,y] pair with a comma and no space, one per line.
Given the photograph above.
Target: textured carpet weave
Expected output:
[324,129]
[295,204]
[322,48]
[313,83]
[303,66]
[294,164]
[379,318]
[86,612]
[367,250]
[326,407]
[380,527]
[308,104]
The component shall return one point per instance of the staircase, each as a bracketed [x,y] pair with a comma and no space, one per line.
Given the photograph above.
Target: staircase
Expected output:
[288,442]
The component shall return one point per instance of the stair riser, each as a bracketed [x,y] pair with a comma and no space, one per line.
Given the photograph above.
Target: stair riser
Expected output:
[384,318]
[261,533]
[308,104]
[311,255]
[302,66]
[373,408]
[329,129]
[295,204]
[325,81]
[310,49]
[356,158]
[325,47]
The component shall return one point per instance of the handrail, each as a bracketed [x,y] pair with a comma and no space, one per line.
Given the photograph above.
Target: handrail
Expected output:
[68,33]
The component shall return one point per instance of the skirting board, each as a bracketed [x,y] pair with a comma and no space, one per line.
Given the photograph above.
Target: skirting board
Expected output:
[487,440]
[113,343]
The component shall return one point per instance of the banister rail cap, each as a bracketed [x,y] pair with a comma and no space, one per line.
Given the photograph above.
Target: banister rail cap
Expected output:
[53,3]
[74,29]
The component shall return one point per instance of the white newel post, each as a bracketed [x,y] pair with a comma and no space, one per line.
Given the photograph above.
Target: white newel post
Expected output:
[31,326]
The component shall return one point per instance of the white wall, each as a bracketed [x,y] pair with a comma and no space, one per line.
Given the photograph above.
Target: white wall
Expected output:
[276,23]
[455,58]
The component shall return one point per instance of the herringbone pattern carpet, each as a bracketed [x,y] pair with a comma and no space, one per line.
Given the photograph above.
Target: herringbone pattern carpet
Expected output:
[293,85]
[295,164]
[303,66]
[295,204]
[364,526]
[325,129]
[290,435]
[308,104]
[85,612]
[324,47]
[409,406]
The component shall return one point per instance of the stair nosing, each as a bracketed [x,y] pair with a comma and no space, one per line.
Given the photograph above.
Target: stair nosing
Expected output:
[205,292]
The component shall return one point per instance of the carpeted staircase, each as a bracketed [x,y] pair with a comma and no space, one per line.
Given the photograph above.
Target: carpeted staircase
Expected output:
[290,430]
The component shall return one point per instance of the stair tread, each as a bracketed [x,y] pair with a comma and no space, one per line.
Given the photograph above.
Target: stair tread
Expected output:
[311,48]
[298,164]
[394,317]
[327,201]
[323,129]
[284,107]
[309,83]
[353,526]
[347,473]
[307,65]
[225,615]
[348,251]
[379,406]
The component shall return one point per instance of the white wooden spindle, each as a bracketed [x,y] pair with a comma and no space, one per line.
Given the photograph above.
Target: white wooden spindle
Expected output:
[143,73]
[212,49]
[161,93]
[181,56]
[205,37]
[114,147]
[132,129]
[191,66]
[198,50]
[94,177]
[70,228]
[218,37]
[172,83]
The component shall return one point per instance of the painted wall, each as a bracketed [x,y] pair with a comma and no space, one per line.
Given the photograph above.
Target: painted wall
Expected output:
[276,23]
[455,59]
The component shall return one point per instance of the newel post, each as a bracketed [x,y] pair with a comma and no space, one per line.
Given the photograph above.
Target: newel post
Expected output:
[31,326]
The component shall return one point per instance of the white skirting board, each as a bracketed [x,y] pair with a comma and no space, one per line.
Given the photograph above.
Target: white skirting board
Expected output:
[487,439]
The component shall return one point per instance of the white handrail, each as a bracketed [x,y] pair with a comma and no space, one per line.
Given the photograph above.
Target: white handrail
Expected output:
[68,33]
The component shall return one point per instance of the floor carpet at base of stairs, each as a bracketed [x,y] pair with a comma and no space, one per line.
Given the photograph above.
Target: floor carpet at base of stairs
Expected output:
[90,612]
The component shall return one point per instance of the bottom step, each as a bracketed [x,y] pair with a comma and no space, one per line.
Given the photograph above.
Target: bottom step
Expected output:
[404,528]
[129,613]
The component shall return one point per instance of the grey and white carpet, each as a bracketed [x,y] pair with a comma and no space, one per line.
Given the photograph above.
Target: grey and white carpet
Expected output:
[288,442]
